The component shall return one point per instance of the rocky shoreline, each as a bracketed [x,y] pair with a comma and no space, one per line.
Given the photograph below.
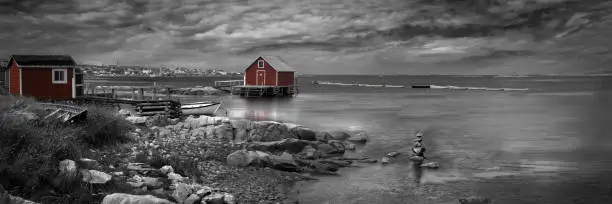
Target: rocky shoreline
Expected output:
[287,152]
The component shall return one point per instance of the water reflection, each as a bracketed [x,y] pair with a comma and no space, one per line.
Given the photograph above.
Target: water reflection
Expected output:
[263,109]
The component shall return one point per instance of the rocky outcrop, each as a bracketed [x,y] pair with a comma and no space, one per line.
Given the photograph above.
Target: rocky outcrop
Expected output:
[292,146]
[122,198]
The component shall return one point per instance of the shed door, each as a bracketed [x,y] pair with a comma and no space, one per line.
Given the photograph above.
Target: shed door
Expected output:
[261,77]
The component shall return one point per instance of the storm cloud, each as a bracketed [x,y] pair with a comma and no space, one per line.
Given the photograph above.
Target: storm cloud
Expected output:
[317,37]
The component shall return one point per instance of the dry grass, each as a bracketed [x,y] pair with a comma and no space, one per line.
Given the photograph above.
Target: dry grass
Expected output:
[30,150]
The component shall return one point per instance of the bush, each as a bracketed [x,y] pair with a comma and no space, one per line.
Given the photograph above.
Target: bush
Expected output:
[30,150]
[103,128]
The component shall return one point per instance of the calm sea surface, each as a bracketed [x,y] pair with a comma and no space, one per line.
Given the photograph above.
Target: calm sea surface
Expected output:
[550,144]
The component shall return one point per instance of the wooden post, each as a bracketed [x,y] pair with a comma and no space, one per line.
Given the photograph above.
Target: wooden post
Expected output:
[168,92]
[133,93]
[154,93]
[113,93]
[141,93]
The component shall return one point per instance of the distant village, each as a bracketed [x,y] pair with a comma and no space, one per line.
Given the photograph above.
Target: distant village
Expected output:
[142,71]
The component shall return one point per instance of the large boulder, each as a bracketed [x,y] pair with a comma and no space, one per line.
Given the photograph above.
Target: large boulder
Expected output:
[122,198]
[215,198]
[339,135]
[293,146]
[181,192]
[266,131]
[238,158]
[303,133]
[225,131]
[284,162]
[323,136]
[332,147]
[359,137]
[67,167]
[310,153]
[243,158]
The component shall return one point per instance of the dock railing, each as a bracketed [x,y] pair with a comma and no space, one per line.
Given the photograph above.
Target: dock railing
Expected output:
[229,83]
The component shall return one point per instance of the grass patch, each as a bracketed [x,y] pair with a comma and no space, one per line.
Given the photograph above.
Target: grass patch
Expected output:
[31,149]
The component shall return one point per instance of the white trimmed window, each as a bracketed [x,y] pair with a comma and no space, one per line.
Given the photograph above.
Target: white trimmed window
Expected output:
[260,64]
[60,76]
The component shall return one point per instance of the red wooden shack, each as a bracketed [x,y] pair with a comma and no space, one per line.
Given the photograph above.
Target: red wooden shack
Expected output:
[53,77]
[269,71]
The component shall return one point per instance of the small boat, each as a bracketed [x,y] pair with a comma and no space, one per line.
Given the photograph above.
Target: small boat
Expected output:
[200,108]
[421,86]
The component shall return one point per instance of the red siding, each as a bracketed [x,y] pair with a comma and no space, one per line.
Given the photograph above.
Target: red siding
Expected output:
[251,74]
[38,83]
[14,78]
[285,78]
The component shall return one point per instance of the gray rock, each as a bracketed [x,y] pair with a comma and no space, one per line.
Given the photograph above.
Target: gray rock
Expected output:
[323,136]
[310,152]
[139,167]
[175,177]
[303,133]
[181,192]
[137,120]
[204,191]
[225,132]
[215,198]
[431,165]
[475,200]
[238,158]
[266,131]
[122,198]
[385,160]
[95,177]
[193,198]
[291,145]
[229,198]
[284,162]
[166,169]
[351,147]
[337,147]
[359,137]
[339,135]
[392,154]
[152,183]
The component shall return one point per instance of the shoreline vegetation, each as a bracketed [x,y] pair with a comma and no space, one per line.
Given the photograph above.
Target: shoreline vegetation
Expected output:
[115,157]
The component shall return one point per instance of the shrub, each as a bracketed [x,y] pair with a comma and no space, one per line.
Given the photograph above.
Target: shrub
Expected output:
[103,128]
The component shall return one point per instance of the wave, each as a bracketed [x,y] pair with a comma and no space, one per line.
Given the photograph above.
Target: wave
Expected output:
[359,85]
[476,88]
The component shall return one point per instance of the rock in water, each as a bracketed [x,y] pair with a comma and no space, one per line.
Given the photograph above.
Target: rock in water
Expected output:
[122,198]
[291,145]
[323,136]
[266,131]
[337,147]
[385,160]
[351,147]
[303,133]
[284,162]
[359,137]
[431,165]
[339,135]
[475,200]
[392,154]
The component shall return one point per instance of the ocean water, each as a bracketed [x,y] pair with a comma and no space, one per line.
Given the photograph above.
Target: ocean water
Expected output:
[550,144]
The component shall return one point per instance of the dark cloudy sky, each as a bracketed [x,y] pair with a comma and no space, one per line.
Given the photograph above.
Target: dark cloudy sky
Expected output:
[319,36]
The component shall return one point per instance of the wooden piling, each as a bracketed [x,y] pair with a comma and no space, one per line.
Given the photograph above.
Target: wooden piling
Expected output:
[142,94]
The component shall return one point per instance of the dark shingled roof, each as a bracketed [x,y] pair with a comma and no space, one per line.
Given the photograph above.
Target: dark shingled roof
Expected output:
[44,60]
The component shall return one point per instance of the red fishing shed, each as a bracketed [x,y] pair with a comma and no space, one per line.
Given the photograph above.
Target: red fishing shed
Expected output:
[268,76]
[269,71]
[54,77]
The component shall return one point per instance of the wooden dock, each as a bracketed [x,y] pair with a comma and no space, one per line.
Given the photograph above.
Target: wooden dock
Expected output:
[264,91]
